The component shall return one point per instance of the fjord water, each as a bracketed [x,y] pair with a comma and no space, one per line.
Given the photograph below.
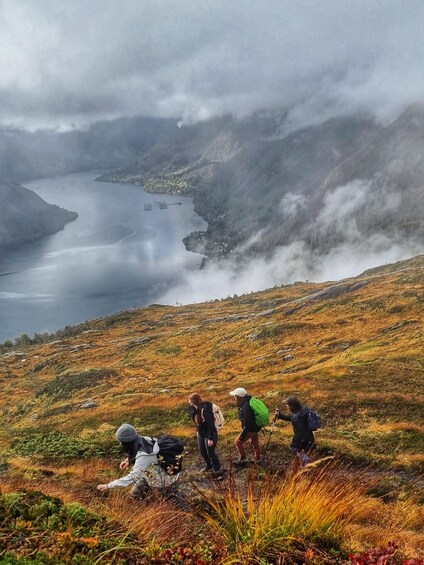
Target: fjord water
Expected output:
[117,255]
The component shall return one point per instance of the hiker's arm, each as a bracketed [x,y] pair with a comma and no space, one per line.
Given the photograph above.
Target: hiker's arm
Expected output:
[280,416]
[142,462]
[247,421]
[209,421]
[192,411]
[124,464]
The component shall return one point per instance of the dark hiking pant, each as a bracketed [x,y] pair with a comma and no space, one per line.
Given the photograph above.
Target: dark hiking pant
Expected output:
[208,452]
[253,439]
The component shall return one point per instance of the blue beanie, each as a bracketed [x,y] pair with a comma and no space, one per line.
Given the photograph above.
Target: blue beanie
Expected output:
[126,433]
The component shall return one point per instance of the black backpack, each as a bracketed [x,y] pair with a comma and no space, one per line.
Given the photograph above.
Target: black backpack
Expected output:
[171,452]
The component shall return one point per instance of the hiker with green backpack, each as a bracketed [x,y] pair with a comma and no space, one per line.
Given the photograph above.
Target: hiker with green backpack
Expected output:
[254,416]
[156,462]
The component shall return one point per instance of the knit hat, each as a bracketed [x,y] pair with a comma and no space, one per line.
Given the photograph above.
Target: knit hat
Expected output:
[241,392]
[126,433]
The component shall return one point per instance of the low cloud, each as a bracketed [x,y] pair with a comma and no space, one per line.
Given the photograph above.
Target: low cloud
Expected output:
[295,262]
[291,204]
[342,220]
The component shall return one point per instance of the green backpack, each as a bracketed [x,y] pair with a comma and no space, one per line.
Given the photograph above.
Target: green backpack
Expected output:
[260,411]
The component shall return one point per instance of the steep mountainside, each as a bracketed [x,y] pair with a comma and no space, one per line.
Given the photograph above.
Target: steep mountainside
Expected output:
[240,171]
[379,190]
[25,155]
[25,217]
[346,179]
[352,350]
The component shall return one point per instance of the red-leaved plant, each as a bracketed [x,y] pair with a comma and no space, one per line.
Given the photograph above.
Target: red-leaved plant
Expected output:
[382,556]
[375,556]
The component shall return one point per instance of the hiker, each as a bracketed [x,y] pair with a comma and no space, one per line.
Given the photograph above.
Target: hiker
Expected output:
[303,441]
[142,453]
[207,435]
[250,429]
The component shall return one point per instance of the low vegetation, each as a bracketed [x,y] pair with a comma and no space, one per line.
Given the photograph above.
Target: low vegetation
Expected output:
[356,358]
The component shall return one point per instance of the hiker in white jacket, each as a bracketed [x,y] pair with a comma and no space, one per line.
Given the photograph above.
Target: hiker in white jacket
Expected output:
[142,452]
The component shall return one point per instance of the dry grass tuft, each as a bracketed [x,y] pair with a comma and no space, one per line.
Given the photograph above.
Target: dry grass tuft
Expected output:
[304,510]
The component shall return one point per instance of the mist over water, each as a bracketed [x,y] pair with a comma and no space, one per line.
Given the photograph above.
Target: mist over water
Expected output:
[114,257]
[117,255]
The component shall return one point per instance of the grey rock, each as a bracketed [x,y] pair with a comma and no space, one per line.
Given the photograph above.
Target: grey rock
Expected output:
[89,404]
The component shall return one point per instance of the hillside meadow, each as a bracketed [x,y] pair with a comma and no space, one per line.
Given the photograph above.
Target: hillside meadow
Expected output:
[351,349]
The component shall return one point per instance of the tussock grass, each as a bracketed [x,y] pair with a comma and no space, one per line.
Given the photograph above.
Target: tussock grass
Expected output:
[306,510]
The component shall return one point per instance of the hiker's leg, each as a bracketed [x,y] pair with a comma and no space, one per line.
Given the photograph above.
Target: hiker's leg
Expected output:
[254,442]
[307,447]
[202,443]
[310,448]
[240,447]
[212,453]
[140,490]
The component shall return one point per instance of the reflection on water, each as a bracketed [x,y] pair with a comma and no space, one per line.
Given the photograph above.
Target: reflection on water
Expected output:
[122,251]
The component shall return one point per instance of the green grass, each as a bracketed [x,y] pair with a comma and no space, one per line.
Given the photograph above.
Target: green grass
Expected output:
[66,384]
[58,445]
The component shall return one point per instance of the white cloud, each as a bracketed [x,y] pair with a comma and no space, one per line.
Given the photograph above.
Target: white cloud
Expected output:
[288,264]
[291,204]
[81,61]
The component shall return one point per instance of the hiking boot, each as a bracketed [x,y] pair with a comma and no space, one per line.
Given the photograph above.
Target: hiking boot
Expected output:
[218,476]
[241,461]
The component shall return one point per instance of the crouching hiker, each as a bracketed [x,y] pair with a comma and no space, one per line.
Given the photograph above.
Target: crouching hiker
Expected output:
[250,429]
[147,472]
[304,421]
[207,434]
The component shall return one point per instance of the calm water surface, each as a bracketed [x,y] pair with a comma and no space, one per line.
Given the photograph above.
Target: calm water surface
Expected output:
[115,256]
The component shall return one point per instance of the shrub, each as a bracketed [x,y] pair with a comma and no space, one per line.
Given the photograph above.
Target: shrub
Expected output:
[170,350]
[274,330]
[65,384]
[42,530]
[57,445]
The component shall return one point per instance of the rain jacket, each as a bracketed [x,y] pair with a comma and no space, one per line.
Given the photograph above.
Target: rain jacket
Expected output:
[146,467]
[303,438]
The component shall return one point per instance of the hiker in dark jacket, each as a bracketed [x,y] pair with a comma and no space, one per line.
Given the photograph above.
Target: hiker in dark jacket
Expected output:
[250,429]
[207,435]
[303,441]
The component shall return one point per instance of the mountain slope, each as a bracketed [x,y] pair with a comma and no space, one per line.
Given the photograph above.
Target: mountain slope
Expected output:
[25,217]
[239,171]
[260,187]
[43,153]
[351,349]
[376,193]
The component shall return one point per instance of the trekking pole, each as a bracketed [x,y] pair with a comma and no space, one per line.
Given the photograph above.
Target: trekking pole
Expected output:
[270,435]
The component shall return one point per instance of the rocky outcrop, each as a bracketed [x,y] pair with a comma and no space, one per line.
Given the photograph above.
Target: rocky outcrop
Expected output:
[25,217]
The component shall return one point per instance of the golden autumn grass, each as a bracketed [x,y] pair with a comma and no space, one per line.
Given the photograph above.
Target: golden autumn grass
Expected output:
[355,355]
[301,512]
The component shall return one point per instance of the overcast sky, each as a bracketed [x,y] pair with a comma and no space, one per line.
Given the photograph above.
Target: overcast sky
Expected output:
[77,61]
